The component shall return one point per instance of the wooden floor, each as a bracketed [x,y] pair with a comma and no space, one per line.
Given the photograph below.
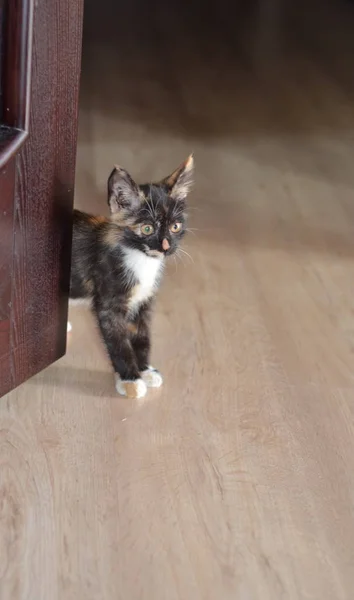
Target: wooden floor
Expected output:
[236,480]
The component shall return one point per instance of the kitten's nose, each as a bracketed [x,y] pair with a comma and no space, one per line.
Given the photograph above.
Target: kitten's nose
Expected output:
[165,244]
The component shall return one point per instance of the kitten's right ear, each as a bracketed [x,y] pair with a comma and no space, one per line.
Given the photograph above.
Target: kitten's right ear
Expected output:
[123,192]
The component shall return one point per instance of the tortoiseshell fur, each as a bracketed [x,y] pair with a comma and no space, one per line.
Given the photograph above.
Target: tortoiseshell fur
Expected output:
[117,267]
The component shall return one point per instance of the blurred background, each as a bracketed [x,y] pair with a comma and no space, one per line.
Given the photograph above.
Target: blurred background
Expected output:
[237,479]
[255,89]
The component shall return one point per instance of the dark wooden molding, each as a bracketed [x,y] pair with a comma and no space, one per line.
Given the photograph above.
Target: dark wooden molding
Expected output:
[15,73]
[11,140]
[37,184]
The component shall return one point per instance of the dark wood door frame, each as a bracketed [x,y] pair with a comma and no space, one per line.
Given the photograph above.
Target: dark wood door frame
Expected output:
[17,27]
[40,61]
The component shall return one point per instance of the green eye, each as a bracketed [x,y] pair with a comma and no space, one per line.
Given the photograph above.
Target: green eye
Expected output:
[147,229]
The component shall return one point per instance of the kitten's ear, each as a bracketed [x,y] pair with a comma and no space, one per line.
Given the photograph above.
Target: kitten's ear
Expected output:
[180,181]
[123,192]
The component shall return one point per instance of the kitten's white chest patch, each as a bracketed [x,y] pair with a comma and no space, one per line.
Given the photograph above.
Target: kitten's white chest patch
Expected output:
[146,270]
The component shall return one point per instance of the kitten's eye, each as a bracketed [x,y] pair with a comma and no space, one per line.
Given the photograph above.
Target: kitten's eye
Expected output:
[147,229]
[176,227]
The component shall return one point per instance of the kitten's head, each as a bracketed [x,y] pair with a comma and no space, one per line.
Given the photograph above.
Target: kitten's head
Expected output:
[152,216]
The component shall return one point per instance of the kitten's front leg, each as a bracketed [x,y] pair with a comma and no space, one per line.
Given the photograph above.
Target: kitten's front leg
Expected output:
[115,334]
[140,337]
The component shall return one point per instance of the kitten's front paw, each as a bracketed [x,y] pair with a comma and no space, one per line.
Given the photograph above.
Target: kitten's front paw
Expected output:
[152,377]
[131,389]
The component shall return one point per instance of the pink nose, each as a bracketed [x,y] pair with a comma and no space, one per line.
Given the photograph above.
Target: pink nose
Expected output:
[165,244]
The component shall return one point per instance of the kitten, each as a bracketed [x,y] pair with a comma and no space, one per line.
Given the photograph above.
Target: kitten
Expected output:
[117,264]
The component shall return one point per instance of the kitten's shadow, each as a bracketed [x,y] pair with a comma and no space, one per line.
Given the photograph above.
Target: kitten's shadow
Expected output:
[85,382]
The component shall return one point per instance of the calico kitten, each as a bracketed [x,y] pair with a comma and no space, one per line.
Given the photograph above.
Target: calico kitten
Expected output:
[117,264]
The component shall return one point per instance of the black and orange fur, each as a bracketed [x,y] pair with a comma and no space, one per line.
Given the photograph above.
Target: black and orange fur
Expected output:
[109,255]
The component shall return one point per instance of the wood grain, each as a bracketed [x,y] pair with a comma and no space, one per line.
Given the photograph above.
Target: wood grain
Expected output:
[7,180]
[16,62]
[44,179]
[6,235]
[236,479]
[16,24]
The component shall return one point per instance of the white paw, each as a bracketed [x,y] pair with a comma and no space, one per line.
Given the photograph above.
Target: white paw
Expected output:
[131,389]
[152,377]
[68,327]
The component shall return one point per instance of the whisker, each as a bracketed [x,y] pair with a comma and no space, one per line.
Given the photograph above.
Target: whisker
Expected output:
[150,207]
[179,256]
[188,208]
[177,212]
[187,254]
[147,208]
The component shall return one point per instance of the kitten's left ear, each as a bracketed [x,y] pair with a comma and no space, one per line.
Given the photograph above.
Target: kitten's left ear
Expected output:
[180,181]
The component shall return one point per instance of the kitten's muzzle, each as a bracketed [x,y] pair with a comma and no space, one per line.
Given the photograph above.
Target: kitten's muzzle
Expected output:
[155,253]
